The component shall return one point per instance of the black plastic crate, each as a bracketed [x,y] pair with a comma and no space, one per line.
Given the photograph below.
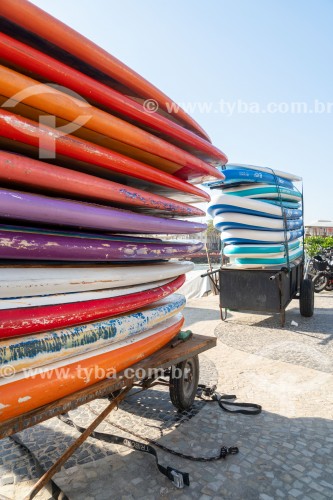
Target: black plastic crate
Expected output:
[262,290]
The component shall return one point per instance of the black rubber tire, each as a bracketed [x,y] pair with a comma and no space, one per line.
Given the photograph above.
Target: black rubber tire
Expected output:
[320,282]
[306,299]
[184,379]
[329,287]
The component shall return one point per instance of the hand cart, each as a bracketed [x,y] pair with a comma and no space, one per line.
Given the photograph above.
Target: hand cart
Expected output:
[181,353]
[266,290]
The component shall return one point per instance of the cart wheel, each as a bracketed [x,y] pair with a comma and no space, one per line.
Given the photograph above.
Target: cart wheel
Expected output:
[306,299]
[184,379]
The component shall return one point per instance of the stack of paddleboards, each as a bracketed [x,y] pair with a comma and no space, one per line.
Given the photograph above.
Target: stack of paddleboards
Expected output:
[259,214]
[92,162]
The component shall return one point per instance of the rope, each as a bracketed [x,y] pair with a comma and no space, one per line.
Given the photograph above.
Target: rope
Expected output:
[303,239]
[285,229]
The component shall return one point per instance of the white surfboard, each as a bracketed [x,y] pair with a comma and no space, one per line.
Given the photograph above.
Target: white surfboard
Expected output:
[264,261]
[264,191]
[259,251]
[228,203]
[230,220]
[69,298]
[87,355]
[256,236]
[28,281]
[40,349]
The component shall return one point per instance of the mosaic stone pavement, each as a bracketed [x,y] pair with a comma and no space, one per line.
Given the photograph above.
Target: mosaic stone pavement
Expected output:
[149,413]
[303,341]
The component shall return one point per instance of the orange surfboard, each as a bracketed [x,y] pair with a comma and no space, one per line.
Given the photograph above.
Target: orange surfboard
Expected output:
[26,136]
[37,65]
[124,137]
[38,22]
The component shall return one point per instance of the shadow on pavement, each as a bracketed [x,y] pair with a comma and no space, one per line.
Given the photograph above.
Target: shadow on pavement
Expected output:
[278,457]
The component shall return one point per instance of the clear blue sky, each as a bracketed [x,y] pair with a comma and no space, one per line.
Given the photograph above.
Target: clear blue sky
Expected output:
[242,52]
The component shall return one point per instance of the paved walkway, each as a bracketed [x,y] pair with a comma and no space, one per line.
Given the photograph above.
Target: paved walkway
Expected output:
[286,452]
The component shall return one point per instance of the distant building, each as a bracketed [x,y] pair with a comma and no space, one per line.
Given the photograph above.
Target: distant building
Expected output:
[320,228]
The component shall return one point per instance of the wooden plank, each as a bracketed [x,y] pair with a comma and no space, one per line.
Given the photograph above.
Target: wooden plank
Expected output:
[165,357]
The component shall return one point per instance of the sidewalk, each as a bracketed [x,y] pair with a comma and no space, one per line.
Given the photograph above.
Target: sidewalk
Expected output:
[285,452]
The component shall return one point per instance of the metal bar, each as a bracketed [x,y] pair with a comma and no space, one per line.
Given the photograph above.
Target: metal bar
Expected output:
[282,317]
[59,463]
[223,318]
[214,279]
[209,273]
[215,290]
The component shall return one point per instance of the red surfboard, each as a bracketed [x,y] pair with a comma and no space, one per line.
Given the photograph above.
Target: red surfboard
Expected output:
[42,67]
[36,176]
[49,29]
[122,169]
[24,321]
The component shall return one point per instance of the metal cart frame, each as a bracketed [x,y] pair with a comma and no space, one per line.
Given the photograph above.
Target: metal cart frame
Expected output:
[176,353]
[264,290]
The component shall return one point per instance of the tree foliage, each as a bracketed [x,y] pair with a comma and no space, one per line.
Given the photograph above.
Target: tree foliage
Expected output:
[210,227]
[314,244]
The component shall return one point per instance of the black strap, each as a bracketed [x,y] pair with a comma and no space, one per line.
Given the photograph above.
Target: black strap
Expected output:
[53,489]
[178,478]
[223,453]
[224,402]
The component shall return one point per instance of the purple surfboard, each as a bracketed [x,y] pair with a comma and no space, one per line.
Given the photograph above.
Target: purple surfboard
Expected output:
[38,208]
[32,245]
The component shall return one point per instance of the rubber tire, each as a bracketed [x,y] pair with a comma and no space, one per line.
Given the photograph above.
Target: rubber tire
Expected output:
[183,392]
[306,299]
[322,287]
